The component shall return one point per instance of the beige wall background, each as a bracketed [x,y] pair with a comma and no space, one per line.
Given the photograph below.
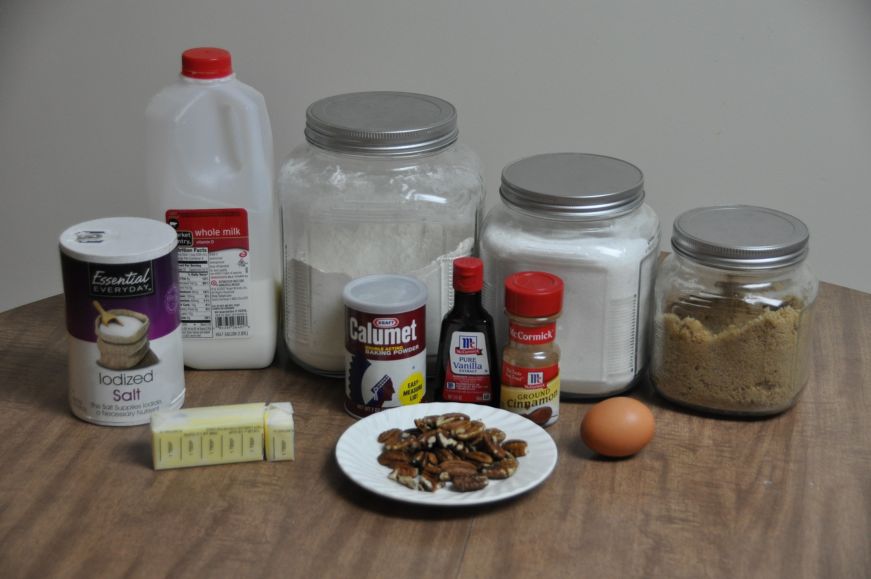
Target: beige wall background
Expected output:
[766,103]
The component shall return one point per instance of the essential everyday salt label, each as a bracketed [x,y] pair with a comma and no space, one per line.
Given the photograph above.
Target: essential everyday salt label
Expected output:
[125,349]
[467,377]
[114,396]
[124,280]
[214,272]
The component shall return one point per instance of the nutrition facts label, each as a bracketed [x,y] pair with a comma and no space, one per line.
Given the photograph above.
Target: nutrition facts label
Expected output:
[214,263]
[194,294]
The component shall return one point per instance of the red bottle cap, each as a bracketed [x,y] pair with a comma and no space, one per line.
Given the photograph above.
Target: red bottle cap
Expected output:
[533,294]
[468,274]
[206,63]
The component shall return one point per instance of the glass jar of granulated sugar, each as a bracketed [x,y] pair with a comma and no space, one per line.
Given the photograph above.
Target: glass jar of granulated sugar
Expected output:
[733,311]
[583,218]
[382,186]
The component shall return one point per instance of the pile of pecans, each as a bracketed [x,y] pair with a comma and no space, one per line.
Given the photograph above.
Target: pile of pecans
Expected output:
[449,448]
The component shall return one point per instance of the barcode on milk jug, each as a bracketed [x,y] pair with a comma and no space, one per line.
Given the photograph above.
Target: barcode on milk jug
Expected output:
[231,321]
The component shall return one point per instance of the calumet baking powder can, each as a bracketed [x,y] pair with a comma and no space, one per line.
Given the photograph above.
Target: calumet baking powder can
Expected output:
[385,343]
[120,278]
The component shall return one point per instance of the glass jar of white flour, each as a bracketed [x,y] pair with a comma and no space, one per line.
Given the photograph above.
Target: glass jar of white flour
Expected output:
[381,186]
[583,218]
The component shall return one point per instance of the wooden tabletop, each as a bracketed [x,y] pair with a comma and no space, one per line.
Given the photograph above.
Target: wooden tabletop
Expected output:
[788,496]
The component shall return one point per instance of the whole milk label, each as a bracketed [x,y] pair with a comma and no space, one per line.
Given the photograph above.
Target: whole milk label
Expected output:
[123,371]
[385,358]
[214,263]
[467,375]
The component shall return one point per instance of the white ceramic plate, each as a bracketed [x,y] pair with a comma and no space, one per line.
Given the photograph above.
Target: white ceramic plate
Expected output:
[358,449]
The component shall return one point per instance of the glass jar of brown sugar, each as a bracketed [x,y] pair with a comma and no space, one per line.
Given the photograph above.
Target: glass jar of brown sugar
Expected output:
[733,311]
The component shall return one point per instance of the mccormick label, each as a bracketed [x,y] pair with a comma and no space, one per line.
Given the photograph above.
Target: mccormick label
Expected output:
[214,260]
[385,359]
[125,359]
[531,392]
[537,335]
[467,377]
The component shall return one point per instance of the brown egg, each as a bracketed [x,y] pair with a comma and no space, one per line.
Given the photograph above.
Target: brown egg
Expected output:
[617,427]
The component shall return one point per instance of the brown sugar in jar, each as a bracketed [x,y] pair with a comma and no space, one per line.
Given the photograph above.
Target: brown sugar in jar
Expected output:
[734,311]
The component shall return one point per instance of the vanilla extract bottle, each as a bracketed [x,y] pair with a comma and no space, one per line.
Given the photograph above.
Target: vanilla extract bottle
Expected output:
[467,366]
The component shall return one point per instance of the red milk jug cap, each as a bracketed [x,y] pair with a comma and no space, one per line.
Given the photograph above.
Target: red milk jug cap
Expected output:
[206,63]
[468,274]
[533,294]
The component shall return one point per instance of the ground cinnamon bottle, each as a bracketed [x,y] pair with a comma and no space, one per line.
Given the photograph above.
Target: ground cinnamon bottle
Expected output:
[467,367]
[530,361]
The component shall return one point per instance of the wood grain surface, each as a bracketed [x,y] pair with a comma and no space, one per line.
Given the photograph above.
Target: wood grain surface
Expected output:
[788,496]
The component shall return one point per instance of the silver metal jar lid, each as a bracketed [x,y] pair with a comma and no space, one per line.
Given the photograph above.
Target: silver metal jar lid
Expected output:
[740,237]
[389,124]
[573,185]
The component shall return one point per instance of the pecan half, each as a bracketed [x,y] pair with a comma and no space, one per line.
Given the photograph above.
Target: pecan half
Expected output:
[492,447]
[393,458]
[445,439]
[515,447]
[473,482]
[502,469]
[430,482]
[455,468]
[470,431]
[405,475]
[497,435]
[477,456]
[433,469]
[402,441]
[449,417]
[428,439]
[389,435]
[427,422]
[444,454]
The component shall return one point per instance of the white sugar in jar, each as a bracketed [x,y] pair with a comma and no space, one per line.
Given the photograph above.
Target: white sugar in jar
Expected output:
[583,218]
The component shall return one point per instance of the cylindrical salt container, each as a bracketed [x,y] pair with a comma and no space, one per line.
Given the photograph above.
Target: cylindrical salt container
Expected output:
[385,343]
[120,277]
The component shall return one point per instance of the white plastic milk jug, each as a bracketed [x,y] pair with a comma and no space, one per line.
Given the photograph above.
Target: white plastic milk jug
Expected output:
[210,175]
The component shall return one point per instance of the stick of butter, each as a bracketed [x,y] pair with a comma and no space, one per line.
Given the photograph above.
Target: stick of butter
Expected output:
[222,434]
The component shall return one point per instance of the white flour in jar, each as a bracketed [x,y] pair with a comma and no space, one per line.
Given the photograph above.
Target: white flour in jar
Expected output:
[337,255]
[608,282]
